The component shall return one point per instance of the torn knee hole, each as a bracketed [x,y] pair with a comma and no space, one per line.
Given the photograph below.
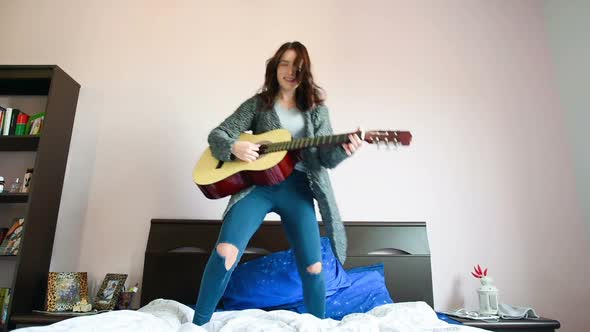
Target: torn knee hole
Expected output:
[229,252]
[315,268]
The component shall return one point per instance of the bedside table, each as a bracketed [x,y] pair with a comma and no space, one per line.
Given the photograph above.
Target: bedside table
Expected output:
[36,319]
[513,325]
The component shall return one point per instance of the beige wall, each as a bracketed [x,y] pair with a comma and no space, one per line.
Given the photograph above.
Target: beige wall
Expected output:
[490,169]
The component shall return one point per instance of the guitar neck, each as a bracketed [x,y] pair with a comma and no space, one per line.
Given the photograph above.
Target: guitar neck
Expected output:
[302,143]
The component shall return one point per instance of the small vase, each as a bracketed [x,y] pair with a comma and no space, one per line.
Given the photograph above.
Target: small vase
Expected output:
[488,297]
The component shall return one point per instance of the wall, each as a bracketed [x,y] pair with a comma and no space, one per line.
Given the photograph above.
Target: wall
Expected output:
[490,167]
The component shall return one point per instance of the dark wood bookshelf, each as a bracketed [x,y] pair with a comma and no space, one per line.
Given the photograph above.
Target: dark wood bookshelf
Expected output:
[28,80]
[8,197]
[19,143]
[51,148]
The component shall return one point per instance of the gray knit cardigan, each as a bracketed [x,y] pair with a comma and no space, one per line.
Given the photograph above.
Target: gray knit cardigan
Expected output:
[251,116]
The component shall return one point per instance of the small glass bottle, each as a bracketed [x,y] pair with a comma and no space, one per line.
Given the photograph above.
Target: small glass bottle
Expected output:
[15,186]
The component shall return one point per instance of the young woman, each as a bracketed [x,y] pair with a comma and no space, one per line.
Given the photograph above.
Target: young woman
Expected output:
[289,99]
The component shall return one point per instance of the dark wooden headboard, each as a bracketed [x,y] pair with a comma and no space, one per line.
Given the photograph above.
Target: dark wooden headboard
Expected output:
[177,251]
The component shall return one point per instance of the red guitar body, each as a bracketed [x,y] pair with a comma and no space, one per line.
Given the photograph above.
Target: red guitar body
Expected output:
[245,179]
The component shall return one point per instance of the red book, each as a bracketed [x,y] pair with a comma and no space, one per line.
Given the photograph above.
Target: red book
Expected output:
[21,124]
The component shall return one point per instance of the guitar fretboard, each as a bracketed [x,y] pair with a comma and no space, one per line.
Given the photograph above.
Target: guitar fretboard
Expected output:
[303,143]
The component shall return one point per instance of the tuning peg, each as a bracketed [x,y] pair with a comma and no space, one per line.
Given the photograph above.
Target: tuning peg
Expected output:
[386,142]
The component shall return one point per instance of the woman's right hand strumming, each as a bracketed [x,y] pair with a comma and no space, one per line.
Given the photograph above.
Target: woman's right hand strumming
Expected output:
[246,151]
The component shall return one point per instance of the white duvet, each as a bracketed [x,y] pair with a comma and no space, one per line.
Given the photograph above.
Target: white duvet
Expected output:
[171,316]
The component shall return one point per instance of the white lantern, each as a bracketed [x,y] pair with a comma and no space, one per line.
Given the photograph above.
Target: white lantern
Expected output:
[488,297]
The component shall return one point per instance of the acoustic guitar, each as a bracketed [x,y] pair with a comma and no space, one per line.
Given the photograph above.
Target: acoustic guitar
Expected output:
[278,156]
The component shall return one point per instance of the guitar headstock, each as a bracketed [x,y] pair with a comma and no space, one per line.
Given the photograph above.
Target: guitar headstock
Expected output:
[386,137]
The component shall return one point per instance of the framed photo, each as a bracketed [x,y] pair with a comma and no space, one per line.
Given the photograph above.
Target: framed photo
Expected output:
[108,293]
[11,242]
[64,289]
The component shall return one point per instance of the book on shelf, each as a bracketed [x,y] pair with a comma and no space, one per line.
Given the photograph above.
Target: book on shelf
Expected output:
[35,124]
[11,243]
[4,300]
[9,120]
[21,124]
[14,122]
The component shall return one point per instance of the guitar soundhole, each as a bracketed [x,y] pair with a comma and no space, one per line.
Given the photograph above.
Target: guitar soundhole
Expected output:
[219,164]
[263,147]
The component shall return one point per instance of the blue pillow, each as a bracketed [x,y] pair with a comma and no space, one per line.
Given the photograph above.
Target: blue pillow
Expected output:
[273,280]
[366,292]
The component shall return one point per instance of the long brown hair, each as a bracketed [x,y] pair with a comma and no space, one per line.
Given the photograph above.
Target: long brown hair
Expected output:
[307,94]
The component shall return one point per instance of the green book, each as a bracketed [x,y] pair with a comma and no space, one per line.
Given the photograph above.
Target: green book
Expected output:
[34,124]
[2,295]
[5,302]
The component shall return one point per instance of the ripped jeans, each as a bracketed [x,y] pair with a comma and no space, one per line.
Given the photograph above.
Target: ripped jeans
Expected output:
[293,201]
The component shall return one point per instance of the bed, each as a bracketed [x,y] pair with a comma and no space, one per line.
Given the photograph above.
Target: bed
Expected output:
[177,251]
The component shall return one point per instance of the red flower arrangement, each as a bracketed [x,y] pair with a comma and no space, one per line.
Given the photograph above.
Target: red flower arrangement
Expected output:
[478,272]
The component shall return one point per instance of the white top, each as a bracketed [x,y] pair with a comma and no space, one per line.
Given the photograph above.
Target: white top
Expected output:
[292,120]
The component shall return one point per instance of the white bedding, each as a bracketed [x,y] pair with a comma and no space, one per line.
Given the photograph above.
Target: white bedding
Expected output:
[171,316]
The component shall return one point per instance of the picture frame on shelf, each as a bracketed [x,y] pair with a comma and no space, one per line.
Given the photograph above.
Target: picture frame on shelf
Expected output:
[11,242]
[65,289]
[108,293]
[27,180]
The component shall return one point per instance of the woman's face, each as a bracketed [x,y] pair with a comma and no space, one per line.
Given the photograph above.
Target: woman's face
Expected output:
[287,72]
